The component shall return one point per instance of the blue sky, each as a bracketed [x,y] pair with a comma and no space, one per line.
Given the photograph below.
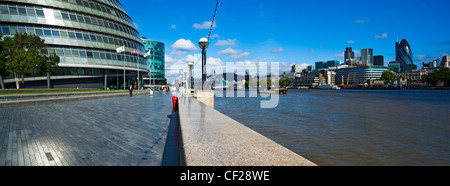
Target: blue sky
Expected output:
[289,31]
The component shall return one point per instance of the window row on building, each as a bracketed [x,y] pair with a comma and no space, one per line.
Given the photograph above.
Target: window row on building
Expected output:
[74,37]
[102,9]
[18,13]
[98,57]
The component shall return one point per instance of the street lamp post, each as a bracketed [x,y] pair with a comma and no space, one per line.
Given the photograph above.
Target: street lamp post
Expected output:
[190,65]
[203,43]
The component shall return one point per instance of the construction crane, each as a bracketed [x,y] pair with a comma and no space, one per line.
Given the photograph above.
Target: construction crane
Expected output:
[348,78]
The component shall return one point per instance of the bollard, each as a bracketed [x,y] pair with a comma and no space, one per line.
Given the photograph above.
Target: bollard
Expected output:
[175,103]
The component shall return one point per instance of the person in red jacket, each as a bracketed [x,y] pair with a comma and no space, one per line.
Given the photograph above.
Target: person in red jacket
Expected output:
[131,90]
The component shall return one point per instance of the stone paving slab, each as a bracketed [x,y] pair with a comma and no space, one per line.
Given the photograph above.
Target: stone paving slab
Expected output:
[119,131]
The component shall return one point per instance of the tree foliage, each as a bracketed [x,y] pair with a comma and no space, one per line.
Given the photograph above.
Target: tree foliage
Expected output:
[3,71]
[440,75]
[388,77]
[21,56]
[285,82]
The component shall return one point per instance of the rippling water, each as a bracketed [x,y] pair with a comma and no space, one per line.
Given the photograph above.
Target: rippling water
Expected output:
[353,127]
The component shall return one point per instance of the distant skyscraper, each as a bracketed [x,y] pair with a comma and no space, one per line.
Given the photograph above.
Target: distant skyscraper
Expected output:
[404,56]
[445,62]
[295,68]
[378,60]
[367,56]
[348,55]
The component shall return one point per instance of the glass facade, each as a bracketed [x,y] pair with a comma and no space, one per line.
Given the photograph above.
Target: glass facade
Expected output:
[404,56]
[83,33]
[359,75]
[156,62]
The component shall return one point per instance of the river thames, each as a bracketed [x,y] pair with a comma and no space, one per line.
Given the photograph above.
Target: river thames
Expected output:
[353,127]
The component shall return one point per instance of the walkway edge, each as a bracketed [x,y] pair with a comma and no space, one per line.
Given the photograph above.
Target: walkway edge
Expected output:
[211,138]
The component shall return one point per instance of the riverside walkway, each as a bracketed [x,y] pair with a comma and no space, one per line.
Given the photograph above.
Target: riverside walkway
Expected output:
[119,131]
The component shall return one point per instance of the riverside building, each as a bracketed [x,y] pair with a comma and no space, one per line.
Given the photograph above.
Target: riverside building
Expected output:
[359,75]
[85,35]
[156,64]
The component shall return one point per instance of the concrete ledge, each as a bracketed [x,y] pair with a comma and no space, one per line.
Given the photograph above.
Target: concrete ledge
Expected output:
[212,139]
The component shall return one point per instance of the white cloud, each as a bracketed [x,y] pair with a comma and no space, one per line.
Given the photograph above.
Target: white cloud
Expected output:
[350,41]
[362,21]
[176,65]
[303,66]
[214,36]
[229,50]
[168,59]
[184,45]
[204,25]
[228,42]
[177,53]
[420,56]
[173,26]
[240,56]
[277,50]
[384,35]
[339,56]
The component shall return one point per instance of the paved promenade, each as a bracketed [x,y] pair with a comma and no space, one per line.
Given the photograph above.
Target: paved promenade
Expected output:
[119,131]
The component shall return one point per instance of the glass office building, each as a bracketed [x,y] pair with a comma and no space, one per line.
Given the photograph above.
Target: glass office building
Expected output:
[404,56]
[156,62]
[85,35]
[359,75]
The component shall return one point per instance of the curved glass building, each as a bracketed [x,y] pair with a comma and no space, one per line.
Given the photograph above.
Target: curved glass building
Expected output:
[156,63]
[85,35]
[404,56]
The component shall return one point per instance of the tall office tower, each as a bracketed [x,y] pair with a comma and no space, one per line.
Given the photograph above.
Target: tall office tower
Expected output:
[378,60]
[445,62]
[367,56]
[295,68]
[404,56]
[348,56]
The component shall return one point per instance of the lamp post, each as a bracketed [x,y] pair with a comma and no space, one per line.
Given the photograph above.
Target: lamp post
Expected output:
[190,65]
[203,43]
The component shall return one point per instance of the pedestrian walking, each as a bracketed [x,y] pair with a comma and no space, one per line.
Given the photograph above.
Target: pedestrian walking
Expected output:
[131,90]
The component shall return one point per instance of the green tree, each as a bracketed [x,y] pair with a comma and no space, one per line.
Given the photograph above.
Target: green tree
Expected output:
[285,82]
[440,75]
[388,76]
[3,72]
[48,65]
[23,57]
